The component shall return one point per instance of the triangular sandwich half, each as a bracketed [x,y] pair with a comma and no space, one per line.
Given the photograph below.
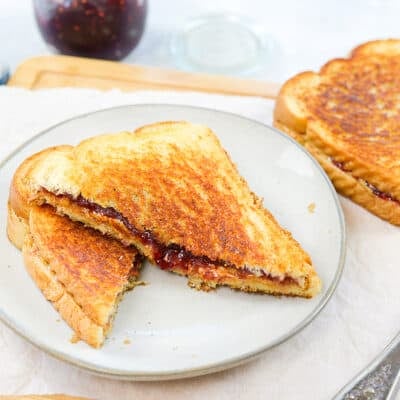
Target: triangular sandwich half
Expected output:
[172,191]
[82,272]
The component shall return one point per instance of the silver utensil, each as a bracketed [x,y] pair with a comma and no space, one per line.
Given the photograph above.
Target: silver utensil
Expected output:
[379,380]
[4,74]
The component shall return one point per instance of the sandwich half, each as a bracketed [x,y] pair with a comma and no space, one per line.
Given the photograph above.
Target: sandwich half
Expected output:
[172,191]
[83,273]
[348,117]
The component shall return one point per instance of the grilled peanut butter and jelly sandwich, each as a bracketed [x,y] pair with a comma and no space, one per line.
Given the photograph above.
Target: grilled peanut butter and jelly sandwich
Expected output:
[347,116]
[168,191]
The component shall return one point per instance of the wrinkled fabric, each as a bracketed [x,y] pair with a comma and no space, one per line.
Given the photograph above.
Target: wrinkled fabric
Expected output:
[361,318]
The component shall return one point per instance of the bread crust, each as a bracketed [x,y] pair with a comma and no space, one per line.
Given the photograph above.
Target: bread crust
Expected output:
[172,179]
[354,189]
[19,234]
[93,268]
[20,190]
[290,108]
[62,301]
[17,228]
[83,273]
[349,118]
[376,47]
[20,195]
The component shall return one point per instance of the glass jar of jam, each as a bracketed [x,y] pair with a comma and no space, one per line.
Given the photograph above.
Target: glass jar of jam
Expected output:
[107,29]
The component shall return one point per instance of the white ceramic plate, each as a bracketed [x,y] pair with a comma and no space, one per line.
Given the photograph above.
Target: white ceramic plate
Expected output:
[166,330]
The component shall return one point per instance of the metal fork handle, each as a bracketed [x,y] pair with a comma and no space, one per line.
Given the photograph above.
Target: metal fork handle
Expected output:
[379,380]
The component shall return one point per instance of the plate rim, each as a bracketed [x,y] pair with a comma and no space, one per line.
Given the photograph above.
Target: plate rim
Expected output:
[215,366]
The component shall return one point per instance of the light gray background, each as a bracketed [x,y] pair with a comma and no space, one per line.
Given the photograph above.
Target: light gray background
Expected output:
[307,32]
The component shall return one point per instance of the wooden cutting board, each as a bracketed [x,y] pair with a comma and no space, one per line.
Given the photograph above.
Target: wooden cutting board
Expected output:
[65,71]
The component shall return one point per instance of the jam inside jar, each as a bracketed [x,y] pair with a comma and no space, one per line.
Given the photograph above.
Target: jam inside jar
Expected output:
[107,29]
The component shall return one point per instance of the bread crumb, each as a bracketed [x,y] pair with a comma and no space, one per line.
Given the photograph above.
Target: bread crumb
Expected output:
[139,283]
[311,208]
[127,341]
[58,320]
[75,338]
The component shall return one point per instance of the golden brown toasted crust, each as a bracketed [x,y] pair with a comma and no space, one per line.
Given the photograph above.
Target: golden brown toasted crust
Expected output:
[172,179]
[82,273]
[19,197]
[62,301]
[290,109]
[385,47]
[92,268]
[353,188]
[17,228]
[20,190]
[349,114]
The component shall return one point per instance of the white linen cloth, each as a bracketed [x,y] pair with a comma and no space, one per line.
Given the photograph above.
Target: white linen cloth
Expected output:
[360,319]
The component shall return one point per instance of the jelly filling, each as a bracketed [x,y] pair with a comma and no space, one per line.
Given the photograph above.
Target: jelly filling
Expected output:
[370,186]
[173,256]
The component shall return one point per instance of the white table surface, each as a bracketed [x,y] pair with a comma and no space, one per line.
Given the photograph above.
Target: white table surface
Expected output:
[307,32]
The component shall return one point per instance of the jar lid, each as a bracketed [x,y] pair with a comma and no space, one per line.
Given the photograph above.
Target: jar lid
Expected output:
[221,43]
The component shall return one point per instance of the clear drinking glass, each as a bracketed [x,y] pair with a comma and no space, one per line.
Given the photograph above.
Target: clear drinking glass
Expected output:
[221,43]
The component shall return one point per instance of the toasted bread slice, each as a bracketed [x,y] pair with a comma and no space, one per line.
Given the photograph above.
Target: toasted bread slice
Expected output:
[348,117]
[82,272]
[20,196]
[171,190]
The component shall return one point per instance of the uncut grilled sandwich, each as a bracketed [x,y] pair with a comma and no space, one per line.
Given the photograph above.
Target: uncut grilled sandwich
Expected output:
[83,273]
[348,117]
[171,190]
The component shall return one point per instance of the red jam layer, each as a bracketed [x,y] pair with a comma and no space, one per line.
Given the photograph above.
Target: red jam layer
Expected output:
[172,256]
[166,257]
[339,165]
[382,195]
[374,189]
